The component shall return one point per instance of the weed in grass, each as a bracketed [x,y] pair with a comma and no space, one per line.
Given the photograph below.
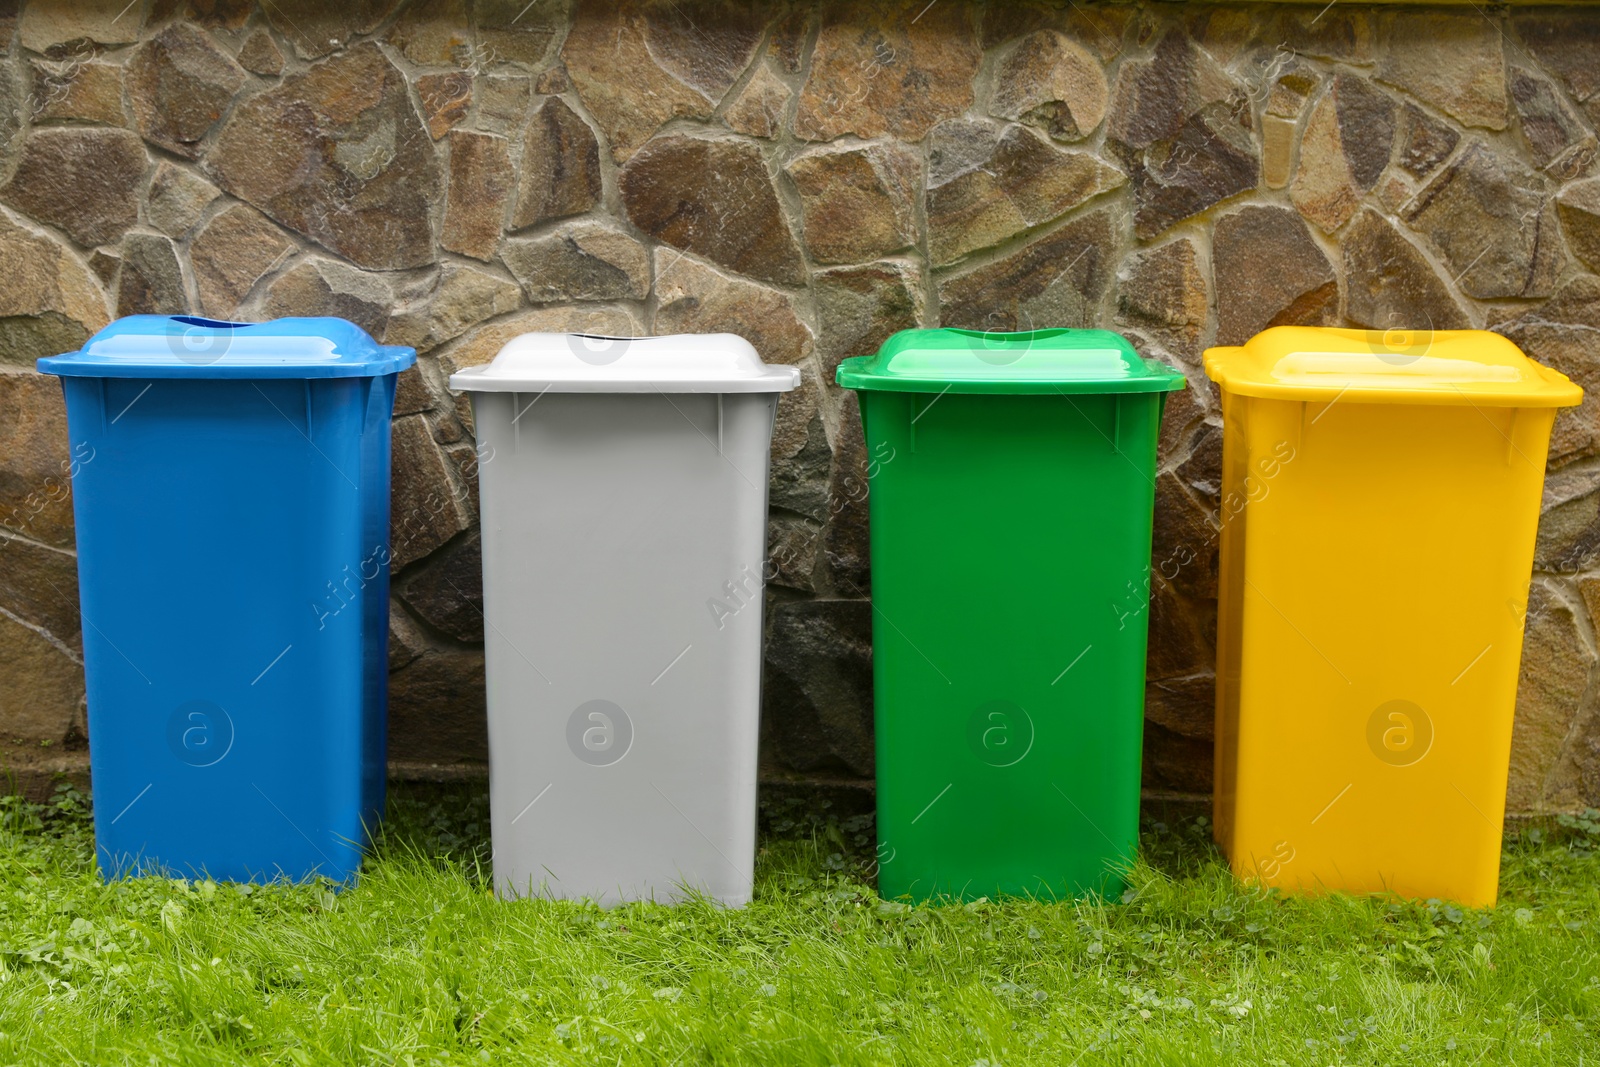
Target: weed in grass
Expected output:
[419,964]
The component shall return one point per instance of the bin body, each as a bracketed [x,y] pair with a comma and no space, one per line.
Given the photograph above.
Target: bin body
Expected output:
[1010,538]
[1380,501]
[624,504]
[232,509]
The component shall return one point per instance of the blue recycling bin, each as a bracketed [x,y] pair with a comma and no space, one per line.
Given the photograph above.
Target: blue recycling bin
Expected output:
[232,509]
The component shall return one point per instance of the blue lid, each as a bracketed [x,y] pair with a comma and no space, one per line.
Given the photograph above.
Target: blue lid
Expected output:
[183,346]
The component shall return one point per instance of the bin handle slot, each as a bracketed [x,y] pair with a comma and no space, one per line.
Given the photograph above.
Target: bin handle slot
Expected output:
[212,324]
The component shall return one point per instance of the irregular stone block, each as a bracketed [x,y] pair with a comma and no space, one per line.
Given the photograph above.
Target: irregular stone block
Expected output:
[39,586]
[1579,208]
[1201,469]
[41,687]
[637,65]
[560,166]
[231,254]
[260,55]
[580,261]
[1269,272]
[1556,662]
[503,102]
[451,302]
[817,697]
[326,287]
[447,590]
[1277,150]
[104,263]
[1332,33]
[802,460]
[483,343]
[44,26]
[1154,98]
[1099,27]
[150,282]
[1568,542]
[987,184]
[792,553]
[37,459]
[48,302]
[406,640]
[465,456]
[1057,280]
[218,14]
[847,542]
[1347,144]
[179,84]
[445,99]
[714,198]
[787,40]
[411,393]
[858,202]
[758,110]
[177,199]
[1290,90]
[338,154]
[315,28]
[437,710]
[1225,33]
[76,90]
[1052,82]
[436,32]
[481,182]
[1454,62]
[692,297]
[1183,634]
[84,181]
[512,31]
[1161,292]
[1560,333]
[1494,222]
[553,81]
[1185,411]
[1389,283]
[858,308]
[426,506]
[1173,761]
[1425,142]
[1212,160]
[1395,192]
[1565,41]
[710,60]
[1558,141]
[884,68]
[1180,125]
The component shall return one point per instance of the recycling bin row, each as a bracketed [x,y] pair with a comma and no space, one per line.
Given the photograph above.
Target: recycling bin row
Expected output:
[1379,500]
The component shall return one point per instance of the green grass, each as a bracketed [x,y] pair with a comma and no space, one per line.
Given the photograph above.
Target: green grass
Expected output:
[419,964]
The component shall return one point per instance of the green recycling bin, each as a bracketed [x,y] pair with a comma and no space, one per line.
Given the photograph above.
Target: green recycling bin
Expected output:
[1011,489]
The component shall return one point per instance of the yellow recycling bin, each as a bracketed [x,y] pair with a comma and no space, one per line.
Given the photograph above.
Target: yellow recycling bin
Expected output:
[1380,498]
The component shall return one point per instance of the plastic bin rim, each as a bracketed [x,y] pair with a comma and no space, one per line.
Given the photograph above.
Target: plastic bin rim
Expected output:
[352,352]
[539,362]
[1233,368]
[877,371]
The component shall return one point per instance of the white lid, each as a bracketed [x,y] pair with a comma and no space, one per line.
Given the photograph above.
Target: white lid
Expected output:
[591,363]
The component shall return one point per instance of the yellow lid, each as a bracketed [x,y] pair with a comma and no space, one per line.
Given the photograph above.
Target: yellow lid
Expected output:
[1389,367]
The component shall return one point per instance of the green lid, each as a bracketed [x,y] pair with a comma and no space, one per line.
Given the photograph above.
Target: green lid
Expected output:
[1038,361]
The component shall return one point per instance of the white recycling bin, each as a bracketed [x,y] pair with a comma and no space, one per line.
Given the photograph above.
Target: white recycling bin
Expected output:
[623,485]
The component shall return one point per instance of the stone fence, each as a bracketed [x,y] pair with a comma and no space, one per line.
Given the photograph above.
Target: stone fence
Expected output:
[450,173]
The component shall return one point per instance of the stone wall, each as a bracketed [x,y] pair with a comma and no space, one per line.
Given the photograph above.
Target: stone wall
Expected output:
[449,173]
